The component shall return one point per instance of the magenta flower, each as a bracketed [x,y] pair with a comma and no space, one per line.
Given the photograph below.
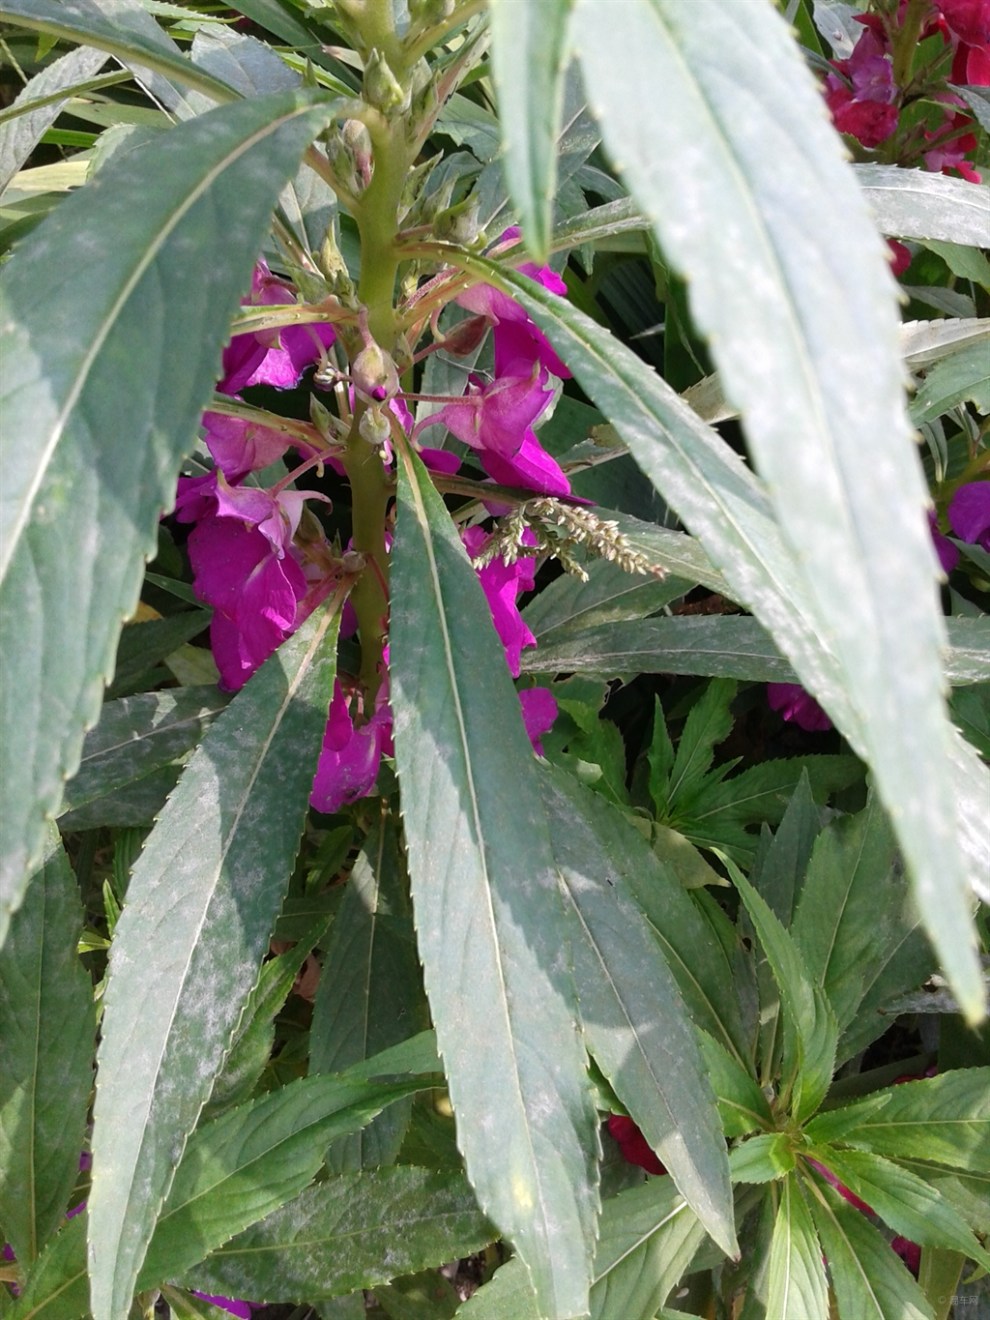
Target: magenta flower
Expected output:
[969,513]
[496,415]
[861,92]
[503,584]
[530,467]
[633,1145]
[240,446]
[349,761]
[241,1309]
[270,358]
[539,710]
[948,554]
[245,566]
[968,20]
[793,703]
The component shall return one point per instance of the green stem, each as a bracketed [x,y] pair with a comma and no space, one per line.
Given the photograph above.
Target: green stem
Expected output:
[370,493]
[906,40]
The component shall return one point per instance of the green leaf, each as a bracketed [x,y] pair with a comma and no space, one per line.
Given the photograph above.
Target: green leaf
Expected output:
[962,377]
[488,912]
[529,55]
[647,1239]
[144,645]
[726,507]
[18,137]
[922,205]
[137,736]
[708,723]
[618,640]
[796,1272]
[968,263]
[634,1018]
[508,1295]
[721,83]
[423,1296]
[742,1106]
[57,1288]
[910,1205]
[352,1231]
[764,1158]
[869,1279]
[128,32]
[944,1118]
[568,606]
[245,1165]
[370,993]
[810,1031]
[843,931]
[201,905]
[969,1193]
[98,426]
[47,1027]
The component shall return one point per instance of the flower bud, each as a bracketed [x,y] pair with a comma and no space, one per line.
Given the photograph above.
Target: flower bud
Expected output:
[459,224]
[465,337]
[381,87]
[373,427]
[374,375]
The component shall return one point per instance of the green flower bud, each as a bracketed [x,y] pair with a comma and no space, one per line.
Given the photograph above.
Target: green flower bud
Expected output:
[381,87]
[374,375]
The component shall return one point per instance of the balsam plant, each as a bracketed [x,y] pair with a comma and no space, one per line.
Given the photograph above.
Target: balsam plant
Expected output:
[428,425]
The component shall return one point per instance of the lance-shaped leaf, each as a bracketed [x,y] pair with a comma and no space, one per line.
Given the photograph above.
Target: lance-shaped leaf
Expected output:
[370,994]
[721,645]
[726,508]
[122,28]
[911,1206]
[352,1231]
[242,1167]
[795,1271]
[752,201]
[107,366]
[18,137]
[634,1018]
[201,905]
[944,1118]
[810,1030]
[919,204]
[869,1280]
[57,1288]
[529,54]
[47,1028]
[488,913]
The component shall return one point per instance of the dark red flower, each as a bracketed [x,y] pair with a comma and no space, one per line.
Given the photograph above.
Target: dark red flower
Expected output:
[633,1144]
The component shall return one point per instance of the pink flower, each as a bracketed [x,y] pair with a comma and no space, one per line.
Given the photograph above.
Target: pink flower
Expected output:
[530,467]
[270,358]
[240,446]
[969,513]
[861,92]
[539,710]
[349,761]
[901,257]
[948,555]
[503,584]
[518,342]
[632,1144]
[496,416]
[793,703]
[969,20]
[241,1309]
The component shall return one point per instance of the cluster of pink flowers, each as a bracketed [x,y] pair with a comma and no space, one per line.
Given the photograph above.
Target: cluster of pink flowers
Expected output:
[866,103]
[264,571]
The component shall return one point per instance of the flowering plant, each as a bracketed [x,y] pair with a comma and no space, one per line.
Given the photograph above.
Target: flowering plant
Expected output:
[476,633]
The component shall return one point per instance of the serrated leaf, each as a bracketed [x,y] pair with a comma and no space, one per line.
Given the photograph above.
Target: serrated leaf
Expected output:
[944,1118]
[796,1273]
[201,905]
[488,913]
[709,722]
[634,1019]
[968,1192]
[841,926]
[907,1203]
[123,29]
[726,508]
[529,55]
[370,994]
[58,1286]
[144,645]
[243,1166]
[962,377]
[922,205]
[869,1280]
[722,82]
[720,646]
[98,426]
[47,1027]
[137,736]
[569,606]
[648,1238]
[810,1030]
[742,1106]
[353,1231]
[18,137]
